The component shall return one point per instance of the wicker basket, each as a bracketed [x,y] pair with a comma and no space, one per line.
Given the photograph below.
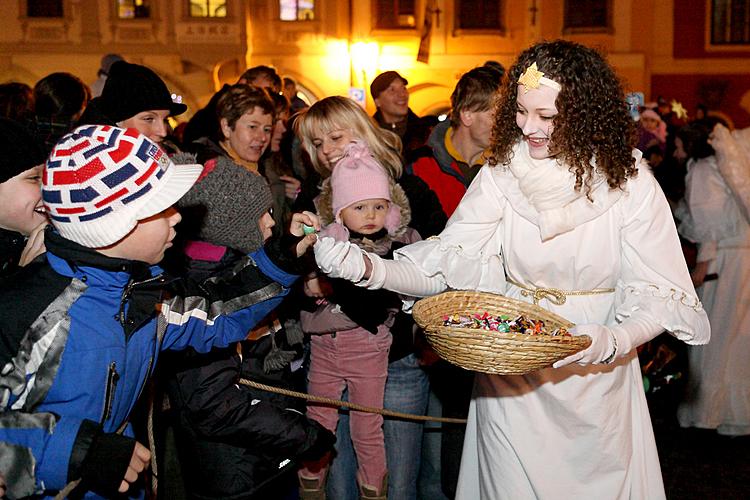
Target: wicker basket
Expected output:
[489,351]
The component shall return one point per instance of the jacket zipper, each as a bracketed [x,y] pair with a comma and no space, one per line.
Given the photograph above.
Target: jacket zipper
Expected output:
[129,288]
[109,394]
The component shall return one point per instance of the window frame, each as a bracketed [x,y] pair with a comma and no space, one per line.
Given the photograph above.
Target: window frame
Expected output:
[710,45]
[315,10]
[189,17]
[399,27]
[608,29]
[459,30]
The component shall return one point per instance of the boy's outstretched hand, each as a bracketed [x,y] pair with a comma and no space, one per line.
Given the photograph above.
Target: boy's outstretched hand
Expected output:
[297,228]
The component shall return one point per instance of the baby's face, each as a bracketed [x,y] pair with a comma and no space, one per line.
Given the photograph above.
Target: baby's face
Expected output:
[366,216]
[21,207]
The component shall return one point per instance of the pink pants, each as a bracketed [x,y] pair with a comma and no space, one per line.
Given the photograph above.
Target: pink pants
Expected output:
[356,359]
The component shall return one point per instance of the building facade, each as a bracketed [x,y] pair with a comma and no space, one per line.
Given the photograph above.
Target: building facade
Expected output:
[691,51]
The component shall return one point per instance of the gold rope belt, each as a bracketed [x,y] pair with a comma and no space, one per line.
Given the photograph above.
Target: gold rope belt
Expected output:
[555,295]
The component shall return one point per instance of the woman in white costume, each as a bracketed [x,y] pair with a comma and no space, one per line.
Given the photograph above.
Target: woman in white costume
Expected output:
[565,212]
[718,394]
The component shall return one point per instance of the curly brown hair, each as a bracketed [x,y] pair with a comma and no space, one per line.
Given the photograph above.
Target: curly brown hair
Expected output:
[592,121]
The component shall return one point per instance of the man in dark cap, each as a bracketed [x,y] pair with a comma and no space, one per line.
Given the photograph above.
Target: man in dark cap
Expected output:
[134,96]
[391,97]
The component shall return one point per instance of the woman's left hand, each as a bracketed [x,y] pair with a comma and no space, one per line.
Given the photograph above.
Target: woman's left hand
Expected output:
[292,186]
[297,228]
[601,348]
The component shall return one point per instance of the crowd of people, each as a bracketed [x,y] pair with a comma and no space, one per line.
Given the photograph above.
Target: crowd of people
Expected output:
[150,268]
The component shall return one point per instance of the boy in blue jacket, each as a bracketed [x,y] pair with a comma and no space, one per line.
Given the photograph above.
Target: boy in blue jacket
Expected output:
[80,333]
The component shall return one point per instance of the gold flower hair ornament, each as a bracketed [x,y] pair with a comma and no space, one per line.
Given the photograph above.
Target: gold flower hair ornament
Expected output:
[532,78]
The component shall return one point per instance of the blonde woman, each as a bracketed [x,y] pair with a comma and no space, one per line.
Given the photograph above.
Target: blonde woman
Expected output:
[325,130]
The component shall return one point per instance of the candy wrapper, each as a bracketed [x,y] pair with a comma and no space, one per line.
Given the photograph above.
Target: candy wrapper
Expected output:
[502,323]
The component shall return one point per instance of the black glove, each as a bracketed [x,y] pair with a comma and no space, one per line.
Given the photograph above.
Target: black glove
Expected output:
[106,458]
[320,440]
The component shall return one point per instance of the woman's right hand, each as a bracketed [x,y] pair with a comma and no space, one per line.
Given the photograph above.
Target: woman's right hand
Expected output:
[341,259]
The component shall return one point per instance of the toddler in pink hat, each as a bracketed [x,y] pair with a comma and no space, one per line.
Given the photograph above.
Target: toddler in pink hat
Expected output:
[350,326]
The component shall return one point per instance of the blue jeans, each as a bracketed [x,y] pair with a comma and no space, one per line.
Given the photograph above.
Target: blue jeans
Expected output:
[406,390]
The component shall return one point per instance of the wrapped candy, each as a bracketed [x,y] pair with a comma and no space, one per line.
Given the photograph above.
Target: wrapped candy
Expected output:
[501,323]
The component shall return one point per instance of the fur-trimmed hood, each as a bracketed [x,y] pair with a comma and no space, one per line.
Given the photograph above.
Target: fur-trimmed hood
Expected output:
[324,206]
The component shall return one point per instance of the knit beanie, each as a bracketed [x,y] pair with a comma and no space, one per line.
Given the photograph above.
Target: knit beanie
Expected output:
[224,206]
[19,150]
[358,176]
[99,181]
[131,89]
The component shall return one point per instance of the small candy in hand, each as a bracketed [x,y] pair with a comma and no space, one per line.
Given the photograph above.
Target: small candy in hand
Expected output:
[307,229]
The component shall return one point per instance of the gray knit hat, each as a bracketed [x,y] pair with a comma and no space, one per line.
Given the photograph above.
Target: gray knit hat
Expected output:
[224,206]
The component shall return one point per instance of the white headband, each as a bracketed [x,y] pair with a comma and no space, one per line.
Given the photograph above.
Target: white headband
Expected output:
[532,78]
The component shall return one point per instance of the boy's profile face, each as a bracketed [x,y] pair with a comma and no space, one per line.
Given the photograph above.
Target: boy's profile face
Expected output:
[149,240]
[366,216]
[21,207]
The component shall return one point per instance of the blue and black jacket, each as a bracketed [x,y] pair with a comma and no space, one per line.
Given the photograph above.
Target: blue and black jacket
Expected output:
[79,337]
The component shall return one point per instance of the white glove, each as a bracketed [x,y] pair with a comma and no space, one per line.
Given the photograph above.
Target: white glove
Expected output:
[611,342]
[601,348]
[340,259]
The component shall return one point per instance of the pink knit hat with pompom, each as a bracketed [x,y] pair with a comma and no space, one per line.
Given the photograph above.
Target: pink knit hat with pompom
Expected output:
[358,176]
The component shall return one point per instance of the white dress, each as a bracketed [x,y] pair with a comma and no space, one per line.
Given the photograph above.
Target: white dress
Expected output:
[579,431]
[719,388]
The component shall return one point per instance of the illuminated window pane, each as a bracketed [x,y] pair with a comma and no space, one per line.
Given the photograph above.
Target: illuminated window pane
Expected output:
[44,8]
[296,10]
[133,9]
[208,8]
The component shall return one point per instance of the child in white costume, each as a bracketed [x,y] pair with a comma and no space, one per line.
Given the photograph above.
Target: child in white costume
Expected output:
[565,212]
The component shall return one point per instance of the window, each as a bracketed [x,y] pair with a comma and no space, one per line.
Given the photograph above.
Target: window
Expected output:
[587,15]
[44,8]
[133,9]
[394,14]
[730,22]
[296,10]
[479,15]
[208,8]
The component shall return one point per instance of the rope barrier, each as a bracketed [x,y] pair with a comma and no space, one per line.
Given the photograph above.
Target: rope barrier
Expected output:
[353,406]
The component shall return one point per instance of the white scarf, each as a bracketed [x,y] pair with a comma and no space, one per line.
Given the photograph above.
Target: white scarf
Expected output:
[547,190]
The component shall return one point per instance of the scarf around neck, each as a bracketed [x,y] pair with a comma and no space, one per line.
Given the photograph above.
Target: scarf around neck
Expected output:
[248,165]
[548,197]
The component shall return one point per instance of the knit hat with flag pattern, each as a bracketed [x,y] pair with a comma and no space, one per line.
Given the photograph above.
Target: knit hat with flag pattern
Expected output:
[99,181]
